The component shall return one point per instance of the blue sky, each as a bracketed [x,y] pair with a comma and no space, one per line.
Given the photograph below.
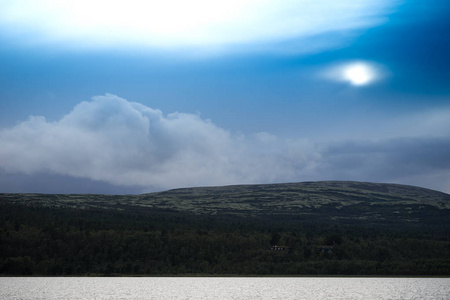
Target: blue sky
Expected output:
[130,97]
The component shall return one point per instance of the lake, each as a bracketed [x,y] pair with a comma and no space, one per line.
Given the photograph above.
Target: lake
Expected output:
[223,288]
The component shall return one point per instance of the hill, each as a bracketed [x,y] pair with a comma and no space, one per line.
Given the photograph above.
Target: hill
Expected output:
[340,201]
[330,200]
[324,228]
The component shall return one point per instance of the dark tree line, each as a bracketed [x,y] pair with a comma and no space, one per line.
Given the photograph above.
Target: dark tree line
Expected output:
[57,241]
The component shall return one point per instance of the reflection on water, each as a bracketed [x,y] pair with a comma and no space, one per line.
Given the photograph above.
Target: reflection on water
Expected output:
[223,288]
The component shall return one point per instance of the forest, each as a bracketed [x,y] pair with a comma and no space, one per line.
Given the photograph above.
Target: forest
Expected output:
[56,240]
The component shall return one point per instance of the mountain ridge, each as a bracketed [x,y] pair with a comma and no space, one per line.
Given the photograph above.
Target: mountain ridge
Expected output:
[321,200]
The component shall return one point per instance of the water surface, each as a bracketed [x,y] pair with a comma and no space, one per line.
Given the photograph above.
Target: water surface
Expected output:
[223,288]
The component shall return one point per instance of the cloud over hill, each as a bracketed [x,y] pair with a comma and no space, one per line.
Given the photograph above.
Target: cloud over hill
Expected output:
[124,143]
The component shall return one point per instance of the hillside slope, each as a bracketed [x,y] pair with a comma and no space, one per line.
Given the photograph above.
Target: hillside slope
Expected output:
[328,199]
[321,201]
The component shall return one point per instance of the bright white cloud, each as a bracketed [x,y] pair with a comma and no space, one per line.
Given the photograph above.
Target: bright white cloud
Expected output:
[195,23]
[124,143]
[356,73]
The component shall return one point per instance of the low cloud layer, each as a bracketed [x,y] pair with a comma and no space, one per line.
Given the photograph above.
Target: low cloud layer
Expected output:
[122,143]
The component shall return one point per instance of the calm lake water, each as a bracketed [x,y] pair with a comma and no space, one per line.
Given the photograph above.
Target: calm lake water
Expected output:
[223,288]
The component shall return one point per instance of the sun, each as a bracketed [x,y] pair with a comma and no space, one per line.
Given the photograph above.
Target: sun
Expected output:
[359,74]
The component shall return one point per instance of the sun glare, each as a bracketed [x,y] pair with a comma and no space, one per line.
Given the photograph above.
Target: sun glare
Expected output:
[169,18]
[177,23]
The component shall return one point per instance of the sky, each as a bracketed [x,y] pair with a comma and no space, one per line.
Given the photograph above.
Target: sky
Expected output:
[127,97]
